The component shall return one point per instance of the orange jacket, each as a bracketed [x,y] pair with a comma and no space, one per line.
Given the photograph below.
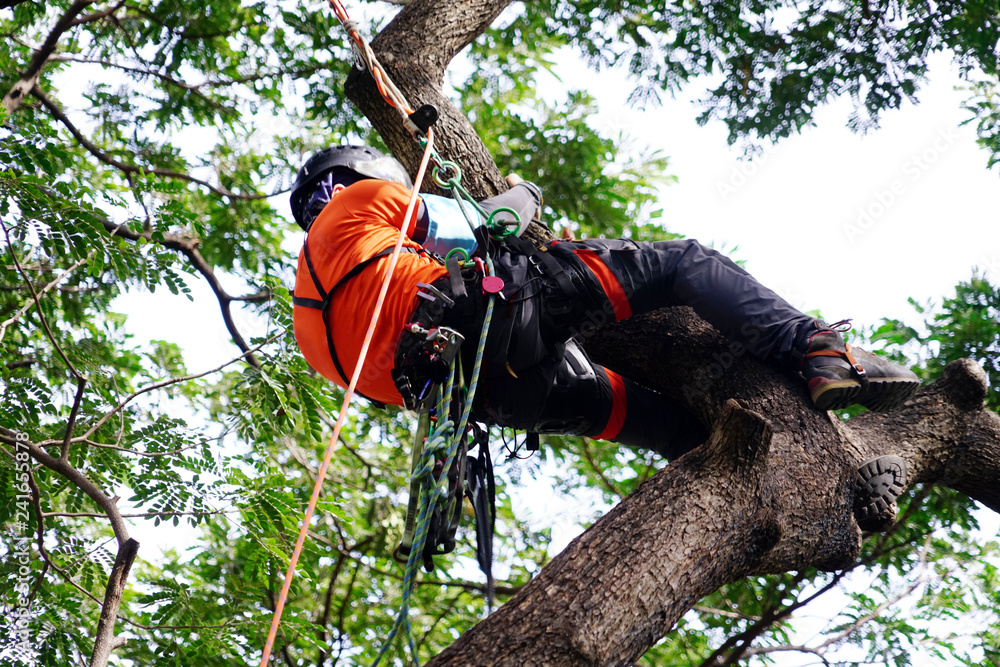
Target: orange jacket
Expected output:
[360,221]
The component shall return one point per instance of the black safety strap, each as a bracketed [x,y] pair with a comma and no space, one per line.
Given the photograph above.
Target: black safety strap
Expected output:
[327,297]
[480,487]
[550,266]
[455,279]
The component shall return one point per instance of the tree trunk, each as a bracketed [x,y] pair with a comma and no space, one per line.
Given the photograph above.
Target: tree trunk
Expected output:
[771,491]
[761,496]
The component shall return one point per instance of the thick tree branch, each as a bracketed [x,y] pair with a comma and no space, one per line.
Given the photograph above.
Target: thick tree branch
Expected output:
[29,77]
[946,435]
[589,618]
[415,48]
[106,641]
[81,481]
[443,31]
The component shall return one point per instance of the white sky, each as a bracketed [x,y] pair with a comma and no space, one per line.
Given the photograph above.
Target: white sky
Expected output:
[796,213]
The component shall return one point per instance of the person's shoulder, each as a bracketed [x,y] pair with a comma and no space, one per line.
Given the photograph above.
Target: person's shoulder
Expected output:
[372,186]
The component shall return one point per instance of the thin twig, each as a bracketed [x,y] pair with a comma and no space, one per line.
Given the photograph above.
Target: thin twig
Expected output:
[96,16]
[128,450]
[126,168]
[143,515]
[588,455]
[166,383]
[46,288]
[38,305]
[189,248]
[207,83]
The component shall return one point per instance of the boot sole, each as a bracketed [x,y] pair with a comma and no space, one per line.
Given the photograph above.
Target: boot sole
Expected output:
[880,481]
[882,395]
[889,394]
[836,395]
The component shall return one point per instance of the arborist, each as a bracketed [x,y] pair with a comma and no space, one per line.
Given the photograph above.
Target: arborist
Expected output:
[536,377]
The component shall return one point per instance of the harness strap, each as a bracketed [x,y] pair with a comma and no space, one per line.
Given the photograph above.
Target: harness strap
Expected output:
[327,297]
[552,267]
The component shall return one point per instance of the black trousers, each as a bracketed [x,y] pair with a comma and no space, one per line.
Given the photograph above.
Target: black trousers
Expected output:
[537,378]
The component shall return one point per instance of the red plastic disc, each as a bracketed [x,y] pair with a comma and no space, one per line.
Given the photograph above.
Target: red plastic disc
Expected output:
[492,284]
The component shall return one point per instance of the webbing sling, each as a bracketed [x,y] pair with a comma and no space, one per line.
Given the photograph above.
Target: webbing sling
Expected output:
[323,304]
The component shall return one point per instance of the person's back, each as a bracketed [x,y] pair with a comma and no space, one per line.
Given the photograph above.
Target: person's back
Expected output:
[360,221]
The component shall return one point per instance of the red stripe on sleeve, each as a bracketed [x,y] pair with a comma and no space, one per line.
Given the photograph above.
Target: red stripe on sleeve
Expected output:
[609,282]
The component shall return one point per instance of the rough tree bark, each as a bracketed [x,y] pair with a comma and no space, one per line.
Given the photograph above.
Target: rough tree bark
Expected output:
[771,491]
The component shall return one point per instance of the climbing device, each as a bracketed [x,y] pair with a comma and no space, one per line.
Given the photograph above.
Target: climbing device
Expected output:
[441,471]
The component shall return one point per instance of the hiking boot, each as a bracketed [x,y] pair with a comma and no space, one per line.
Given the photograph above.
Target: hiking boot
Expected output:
[840,375]
[880,481]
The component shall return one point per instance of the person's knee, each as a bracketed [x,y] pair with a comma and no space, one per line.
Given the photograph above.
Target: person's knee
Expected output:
[579,399]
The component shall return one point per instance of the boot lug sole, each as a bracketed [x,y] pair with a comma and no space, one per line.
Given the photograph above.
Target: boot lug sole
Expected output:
[837,395]
[888,395]
[880,481]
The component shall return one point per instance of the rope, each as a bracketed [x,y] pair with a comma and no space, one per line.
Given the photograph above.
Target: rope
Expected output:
[442,444]
[334,439]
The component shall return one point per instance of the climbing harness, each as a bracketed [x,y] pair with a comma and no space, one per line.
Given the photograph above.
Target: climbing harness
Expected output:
[441,471]
[326,298]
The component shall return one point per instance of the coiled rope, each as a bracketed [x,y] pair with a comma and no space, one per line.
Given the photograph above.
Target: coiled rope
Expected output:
[441,445]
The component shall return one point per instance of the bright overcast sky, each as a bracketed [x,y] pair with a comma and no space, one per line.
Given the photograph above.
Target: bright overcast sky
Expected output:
[848,224]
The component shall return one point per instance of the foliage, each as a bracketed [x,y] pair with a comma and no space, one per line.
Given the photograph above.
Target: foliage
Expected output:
[154,154]
[984,107]
[776,62]
[966,325]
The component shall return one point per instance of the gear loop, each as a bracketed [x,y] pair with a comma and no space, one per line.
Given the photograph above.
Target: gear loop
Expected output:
[441,176]
[501,229]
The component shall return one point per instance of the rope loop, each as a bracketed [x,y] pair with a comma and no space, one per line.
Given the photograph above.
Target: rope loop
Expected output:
[501,229]
[447,175]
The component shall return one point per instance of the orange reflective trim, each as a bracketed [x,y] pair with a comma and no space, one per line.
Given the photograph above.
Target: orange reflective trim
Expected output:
[609,283]
[619,406]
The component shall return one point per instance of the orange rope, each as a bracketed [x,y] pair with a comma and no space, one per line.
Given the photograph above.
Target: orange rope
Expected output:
[386,87]
[335,438]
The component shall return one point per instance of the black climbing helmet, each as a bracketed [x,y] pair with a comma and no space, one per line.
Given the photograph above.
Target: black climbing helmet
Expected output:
[347,164]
